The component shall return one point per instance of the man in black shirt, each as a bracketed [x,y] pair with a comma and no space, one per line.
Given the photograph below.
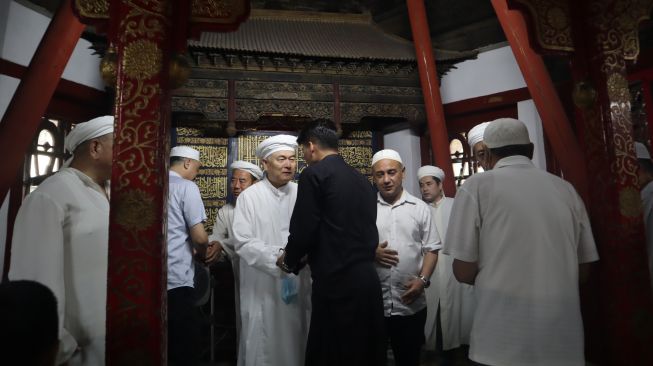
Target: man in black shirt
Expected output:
[334,225]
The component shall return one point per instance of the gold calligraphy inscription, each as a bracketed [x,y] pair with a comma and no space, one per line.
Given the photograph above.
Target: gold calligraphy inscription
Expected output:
[212,156]
[212,186]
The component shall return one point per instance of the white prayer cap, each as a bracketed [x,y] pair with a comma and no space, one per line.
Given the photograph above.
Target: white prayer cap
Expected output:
[252,169]
[641,151]
[185,152]
[504,132]
[276,143]
[475,135]
[85,131]
[430,171]
[386,154]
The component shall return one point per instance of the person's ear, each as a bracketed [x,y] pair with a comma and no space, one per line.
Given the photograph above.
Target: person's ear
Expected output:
[187,164]
[95,148]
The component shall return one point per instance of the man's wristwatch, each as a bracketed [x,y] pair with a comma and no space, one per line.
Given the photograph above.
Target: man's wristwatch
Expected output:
[427,282]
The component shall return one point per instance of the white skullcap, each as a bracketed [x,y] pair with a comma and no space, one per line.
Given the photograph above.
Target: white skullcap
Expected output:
[252,169]
[185,152]
[274,144]
[85,131]
[475,135]
[386,154]
[505,132]
[430,171]
[641,151]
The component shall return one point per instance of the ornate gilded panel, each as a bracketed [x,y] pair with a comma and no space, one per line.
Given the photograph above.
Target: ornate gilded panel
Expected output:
[203,88]
[283,90]
[212,178]
[551,21]
[251,110]
[354,112]
[210,108]
[380,90]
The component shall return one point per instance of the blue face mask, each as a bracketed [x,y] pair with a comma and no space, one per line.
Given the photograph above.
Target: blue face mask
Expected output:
[289,289]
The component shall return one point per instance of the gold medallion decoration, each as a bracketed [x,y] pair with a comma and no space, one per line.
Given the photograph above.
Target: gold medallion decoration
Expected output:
[618,88]
[92,9]
[142,59]
[551,23]
[135,210]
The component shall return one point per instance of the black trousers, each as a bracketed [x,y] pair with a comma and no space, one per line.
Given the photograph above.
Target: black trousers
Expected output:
[348,328]
[406,337]
[183,327]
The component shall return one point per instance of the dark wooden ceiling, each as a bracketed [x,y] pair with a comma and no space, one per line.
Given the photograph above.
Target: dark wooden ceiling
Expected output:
[457,25]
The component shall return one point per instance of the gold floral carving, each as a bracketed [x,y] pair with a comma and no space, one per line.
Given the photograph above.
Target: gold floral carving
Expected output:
[142,59]
[551,20]
[140,138]
[211,8]
[617,24]
[630,203]
[134,210]
[92,9]
[618,88]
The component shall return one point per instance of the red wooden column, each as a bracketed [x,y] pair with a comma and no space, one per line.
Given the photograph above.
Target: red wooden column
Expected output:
[23,115]
[556,125]
[136,298]
[431,90]
[605,34]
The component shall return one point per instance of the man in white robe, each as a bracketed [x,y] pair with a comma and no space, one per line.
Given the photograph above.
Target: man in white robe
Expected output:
[243,175]
[61,240]
[451,299]
[275,316]
[523,238]
[645,175]
[475,140]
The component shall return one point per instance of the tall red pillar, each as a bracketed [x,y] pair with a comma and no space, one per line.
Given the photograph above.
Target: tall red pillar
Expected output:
[431,90]
[605,33]
[557,126]
[136,298]
[23,115]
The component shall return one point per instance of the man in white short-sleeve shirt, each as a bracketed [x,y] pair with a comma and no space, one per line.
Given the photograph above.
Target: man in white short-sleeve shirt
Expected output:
[406,256]
[186,234]
[523,238]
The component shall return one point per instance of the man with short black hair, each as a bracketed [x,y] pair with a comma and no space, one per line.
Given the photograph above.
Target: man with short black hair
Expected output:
[333,223]
[522,236]
[29,334]
[61,237]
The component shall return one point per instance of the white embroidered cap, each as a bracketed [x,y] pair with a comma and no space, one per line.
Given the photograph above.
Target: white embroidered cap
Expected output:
[185,152]
[252,169]
[505,132]
[85,131]
[430,171]
[386,154]
[274,144]
[475,135]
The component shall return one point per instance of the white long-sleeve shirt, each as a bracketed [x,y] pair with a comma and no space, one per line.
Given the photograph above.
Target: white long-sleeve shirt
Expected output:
[60,239]
[273,332]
